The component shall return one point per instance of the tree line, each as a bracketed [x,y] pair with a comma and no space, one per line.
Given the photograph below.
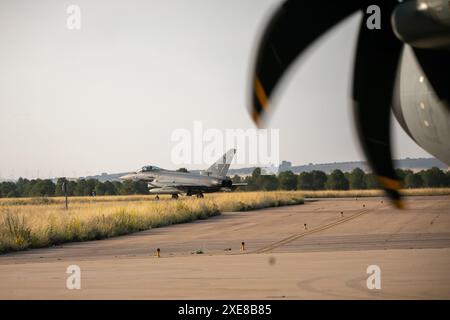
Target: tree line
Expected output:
[287,180]
[338,180]
[81,187]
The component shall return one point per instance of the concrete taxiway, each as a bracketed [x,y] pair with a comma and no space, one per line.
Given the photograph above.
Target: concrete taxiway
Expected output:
[327,259]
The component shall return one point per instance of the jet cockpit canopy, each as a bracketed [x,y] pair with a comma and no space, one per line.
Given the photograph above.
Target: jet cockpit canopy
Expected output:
[148,169]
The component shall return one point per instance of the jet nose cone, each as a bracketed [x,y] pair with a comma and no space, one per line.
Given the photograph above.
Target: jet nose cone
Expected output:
[129,176]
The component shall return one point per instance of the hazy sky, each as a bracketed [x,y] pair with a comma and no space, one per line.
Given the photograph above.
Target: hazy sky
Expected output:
[108,97]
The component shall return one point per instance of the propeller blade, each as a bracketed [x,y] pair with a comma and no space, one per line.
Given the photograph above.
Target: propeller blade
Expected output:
[375,71]
[293,27]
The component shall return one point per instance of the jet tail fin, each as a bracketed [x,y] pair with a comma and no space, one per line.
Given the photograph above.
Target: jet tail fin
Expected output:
[221,166]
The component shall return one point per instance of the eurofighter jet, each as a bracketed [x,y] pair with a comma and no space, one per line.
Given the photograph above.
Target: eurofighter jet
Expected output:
[162,181]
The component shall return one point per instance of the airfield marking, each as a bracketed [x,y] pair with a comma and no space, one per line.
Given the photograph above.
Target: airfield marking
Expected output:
[302,234]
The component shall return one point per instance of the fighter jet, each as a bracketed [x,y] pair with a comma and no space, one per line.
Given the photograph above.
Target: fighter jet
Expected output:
[162,181]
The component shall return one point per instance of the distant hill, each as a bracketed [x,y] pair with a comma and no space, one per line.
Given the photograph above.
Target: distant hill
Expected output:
[408,163]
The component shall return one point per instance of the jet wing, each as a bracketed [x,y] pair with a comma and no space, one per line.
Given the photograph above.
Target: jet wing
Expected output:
[165,190]
[234,186]
[240,184]
[181,185]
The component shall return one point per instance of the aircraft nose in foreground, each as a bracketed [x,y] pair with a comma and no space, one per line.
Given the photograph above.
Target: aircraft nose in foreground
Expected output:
[129,176]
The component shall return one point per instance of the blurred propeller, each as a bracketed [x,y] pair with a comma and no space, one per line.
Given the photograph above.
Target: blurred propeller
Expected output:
[374,76]
[287,35]
[295,25]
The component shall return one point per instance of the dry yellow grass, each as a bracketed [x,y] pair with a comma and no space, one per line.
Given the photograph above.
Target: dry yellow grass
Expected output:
[34,222]
[371,193]
[222,196]
[427,192]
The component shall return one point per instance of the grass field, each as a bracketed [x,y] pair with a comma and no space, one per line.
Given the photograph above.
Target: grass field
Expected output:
[41,222]
[372,193]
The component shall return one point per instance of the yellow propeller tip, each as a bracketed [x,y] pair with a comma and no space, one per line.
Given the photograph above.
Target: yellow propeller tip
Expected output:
[256,118]
[399,204]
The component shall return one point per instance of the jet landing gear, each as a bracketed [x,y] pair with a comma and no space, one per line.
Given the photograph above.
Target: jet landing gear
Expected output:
[199,195]
[157,197]
[174,196]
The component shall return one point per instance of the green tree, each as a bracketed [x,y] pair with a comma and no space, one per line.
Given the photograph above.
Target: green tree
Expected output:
[141,187]
[110,188]
[85,187]
[100,188]
[80,188]
[287,180]
[249,181]
[268,182]
[29,187]
[22,187]
[401,174]
[357,179]
[337,181]
[118,186]
[8,189]
[13,194]
[413,180]
[319,178]
[371,181]
[434,178]
[305,181]
[58,188]
[254,181]
[43,188]
[72,188]
[134,187]
[90,186]
[256,173]
[127,187]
